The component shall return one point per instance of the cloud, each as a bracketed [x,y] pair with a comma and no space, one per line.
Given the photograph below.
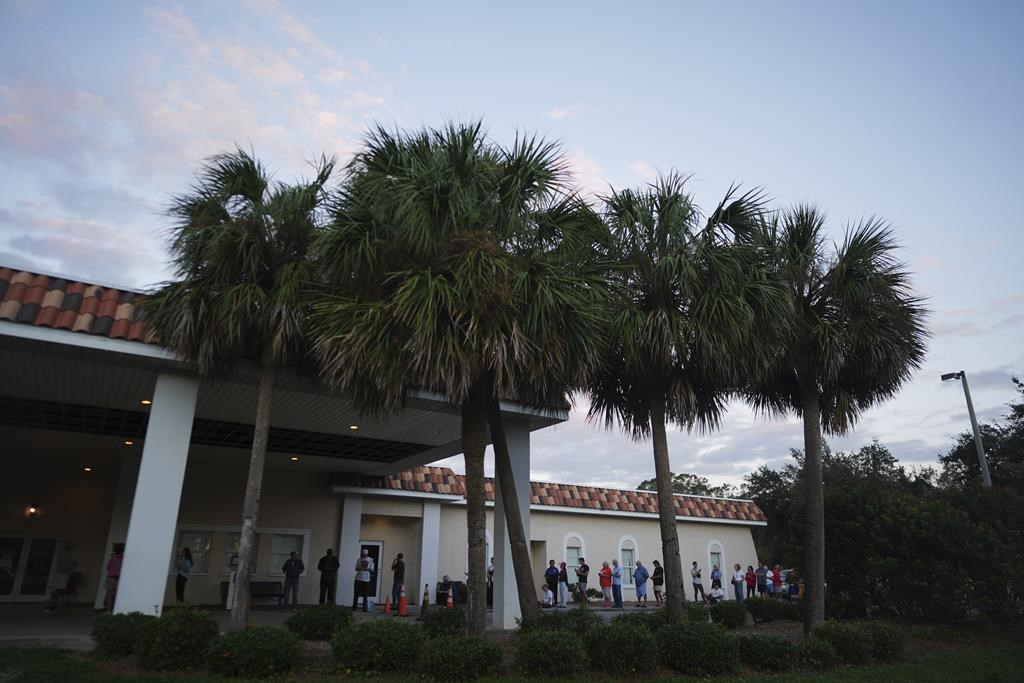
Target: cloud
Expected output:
[587,173]
[642,170]
[560,113]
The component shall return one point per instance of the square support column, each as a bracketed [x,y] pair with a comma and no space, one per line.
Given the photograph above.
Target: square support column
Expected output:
[147,555]
[430,540]
[506,595]
[348,546]
[118,531]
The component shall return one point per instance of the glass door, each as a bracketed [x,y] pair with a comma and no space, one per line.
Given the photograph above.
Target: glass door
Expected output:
[10,563]
[26,566]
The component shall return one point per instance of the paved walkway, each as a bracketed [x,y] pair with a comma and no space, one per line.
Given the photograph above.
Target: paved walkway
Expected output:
[24,625]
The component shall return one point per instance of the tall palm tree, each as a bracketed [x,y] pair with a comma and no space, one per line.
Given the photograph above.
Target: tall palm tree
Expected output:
[241,249]
[857,334]
[691,296]
[459,266]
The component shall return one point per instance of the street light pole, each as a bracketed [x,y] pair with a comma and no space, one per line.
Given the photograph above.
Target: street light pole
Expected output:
[982,461]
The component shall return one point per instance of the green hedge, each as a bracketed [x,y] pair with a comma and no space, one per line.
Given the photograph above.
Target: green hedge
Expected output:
[177,640]
[459,658]
[577,620]
[886,641]
[445,622]
[697,611]
[652,619]
[852,643]
[697,648]
[814,652]
[621,648]
[766,652]
[319,622]
[764,610]
[550,652]
[254,652]
[729,614]
[117,635]
[378,645]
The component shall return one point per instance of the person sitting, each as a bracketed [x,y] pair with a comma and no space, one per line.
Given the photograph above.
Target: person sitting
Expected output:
[716,594]
[548,598]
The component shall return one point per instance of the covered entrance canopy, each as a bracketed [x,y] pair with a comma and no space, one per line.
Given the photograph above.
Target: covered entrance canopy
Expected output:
[83,387]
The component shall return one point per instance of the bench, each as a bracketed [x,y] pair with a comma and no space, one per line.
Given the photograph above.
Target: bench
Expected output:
[257,589]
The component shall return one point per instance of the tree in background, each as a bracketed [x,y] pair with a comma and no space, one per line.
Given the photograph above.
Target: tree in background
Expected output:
[691,485]
[857,335]
[462,267]
[241,249]
[690,298]
[1004,450]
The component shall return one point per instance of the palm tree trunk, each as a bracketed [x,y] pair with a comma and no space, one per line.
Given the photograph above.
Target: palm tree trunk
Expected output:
[251,506]
[474,445]
[814,524]
[513,519]
[675,596]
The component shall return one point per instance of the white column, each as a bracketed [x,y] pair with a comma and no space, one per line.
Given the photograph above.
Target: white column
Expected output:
[506,595]
[118,531]
[147,555]
[348,546]
[430,540]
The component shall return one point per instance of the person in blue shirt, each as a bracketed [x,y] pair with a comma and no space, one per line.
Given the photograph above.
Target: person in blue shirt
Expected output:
[640,575]
[716,577]
[617,584]
[551,578]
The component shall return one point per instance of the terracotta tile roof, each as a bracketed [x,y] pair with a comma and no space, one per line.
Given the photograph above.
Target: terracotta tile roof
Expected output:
[441,480]
[58,303]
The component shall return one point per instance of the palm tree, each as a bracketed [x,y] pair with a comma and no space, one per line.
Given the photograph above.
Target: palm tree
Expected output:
[857,334]
[691,295]
[458,266]
[241,249]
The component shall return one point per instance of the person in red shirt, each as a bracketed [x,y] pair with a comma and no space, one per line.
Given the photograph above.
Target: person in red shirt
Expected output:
[113,578]
[750,578]
[777,581]
[605,579]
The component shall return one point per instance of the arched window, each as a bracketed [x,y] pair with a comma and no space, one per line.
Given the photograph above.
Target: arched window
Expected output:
[716,557]
[628,553]
[573,551]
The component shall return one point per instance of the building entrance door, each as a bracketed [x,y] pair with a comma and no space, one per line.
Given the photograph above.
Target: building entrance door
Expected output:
[26,567]
[376,550]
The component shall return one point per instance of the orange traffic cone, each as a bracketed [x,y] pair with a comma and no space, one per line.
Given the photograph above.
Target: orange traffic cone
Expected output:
[387,605]
[450,602]
[425,605]
[403,605]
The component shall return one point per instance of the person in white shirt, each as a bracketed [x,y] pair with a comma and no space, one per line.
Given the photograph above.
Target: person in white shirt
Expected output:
[698,585]
[548,598]
[716,594]
[737,582]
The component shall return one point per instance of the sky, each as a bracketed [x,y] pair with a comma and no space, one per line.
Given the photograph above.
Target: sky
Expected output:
[911,111]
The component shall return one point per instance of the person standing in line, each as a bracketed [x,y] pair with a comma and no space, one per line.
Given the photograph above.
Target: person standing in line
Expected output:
[640,576]
[563,586]
[397,579]
[490,583]
[551,579]
[184,567]
[751,579]
[328,566]
[364,565]
[604,578]
[113,578]
[762,574]
[738,578]
[616,584]
[582,575]
[698,583]
[777,581]
[292,570]
[716,576]
[658,580]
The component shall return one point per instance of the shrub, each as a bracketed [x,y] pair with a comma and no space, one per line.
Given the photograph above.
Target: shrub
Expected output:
[653,619]
[578,621]
[886,641]
[766,652]
[459,658]
[815,652]
[763,610]
[852,643]
[621,648]
[378,645]
[445,622]
[319,622]
[255,651]
[790,611]
[697,648]
[545,652]
[177,640]
[697,611]
[729,614]
[117,635]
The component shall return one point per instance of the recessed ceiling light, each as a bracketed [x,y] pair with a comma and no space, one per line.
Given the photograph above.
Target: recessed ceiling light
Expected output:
[146,402]
[353,427]
[87,469]
[294,458]
[129,443]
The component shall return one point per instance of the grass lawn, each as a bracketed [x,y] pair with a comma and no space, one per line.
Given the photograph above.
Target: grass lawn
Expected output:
[976,659]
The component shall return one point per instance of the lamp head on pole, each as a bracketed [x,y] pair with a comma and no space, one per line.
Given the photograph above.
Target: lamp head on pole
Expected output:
[952,375]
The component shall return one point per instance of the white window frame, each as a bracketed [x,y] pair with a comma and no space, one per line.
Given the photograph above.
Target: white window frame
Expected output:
[304,555]
[627,577]
[224,528]
[723,567]
[225,570]
[565,551]
[177,540]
